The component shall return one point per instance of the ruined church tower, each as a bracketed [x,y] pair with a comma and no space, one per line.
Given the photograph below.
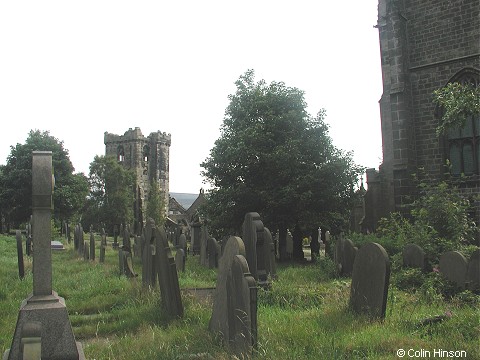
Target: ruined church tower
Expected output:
[149,158]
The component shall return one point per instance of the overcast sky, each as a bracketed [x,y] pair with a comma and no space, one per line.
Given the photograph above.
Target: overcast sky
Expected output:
[78,69]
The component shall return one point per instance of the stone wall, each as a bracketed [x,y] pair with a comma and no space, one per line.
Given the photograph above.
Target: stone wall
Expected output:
[424,44]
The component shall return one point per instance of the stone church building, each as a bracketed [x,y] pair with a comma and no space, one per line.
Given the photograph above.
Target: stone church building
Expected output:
[424,45]
[149,158]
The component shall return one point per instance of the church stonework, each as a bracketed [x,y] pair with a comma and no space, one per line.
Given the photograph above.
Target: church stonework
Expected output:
[424,45]
[149,158]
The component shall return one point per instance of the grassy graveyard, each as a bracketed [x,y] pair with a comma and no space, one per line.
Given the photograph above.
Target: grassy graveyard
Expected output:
[303,316]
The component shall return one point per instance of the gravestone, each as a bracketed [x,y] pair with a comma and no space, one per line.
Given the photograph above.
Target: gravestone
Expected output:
[182,243]
[219,321]
[21,265]
[242,308]
[137,252]
[370,280]
[86,251]
[473,271]
[269,251]
[297,239]
[103,245]
[56,245]
[338,254]
[167,275]
[92,244]
[76,238]
[328,243]
[213,249]
[44,309]
[289,245]
[348,258]
[203,246]
[180,260]
[115,237]
[453,266]
[149,269]
[414,257]
[254,237]
[195,240]
[81,240]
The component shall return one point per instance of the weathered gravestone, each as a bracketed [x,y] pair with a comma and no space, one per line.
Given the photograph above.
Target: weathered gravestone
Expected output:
[473,271]
[115,237]
[103,245]
[453,266]
[203,246]
[254,237]
[180,260]
[349,252]
[149,269]
[241,308]
[289,245]
[214,252]
[86,251]
[182,243]
[370,280]
[219,321]
[43,311]
[21,266]
[269,251]
[195,240]
[92,244]
[167,275]
[414,257]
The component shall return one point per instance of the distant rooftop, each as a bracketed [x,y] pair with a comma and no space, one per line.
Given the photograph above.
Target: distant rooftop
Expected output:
[186,200]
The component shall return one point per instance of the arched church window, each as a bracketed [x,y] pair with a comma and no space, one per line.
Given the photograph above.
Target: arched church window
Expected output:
[463,144]
[146,153]
[120,153]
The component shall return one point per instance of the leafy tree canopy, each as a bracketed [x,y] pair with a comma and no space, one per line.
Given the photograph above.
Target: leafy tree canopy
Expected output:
[111,193]
[458,102]
[274,158]
[16,180]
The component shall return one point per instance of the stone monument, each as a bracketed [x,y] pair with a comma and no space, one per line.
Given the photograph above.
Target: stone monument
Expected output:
[43,313]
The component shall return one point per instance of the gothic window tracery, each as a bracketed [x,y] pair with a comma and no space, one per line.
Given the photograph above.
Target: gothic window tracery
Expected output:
[120,153]
[463,144]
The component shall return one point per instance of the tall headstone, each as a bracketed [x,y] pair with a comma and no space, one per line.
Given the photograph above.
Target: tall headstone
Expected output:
[44,309]
[182,243]
[254,238]
[473,271]
[195,241]
[21,266]
[338,254]
[115,237]
[269,251]
[203,246]
[28,242]
[242,308]
[92,244]
[180,260]
[414,257]
[370,280]
[149,269]
[453,266]
[213,249]
[289,245]
[103,245]
[167,275]
[219,321]
[349,253]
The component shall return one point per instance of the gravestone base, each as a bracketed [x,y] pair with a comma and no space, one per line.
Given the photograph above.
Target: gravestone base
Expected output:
[57,339]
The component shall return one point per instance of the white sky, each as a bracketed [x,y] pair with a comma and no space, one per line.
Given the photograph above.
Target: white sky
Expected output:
[80,68]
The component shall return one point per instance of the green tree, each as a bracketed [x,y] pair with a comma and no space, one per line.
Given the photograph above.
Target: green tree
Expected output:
[457,102]
[156,204]
[111,196]
[274,158]
[16,180]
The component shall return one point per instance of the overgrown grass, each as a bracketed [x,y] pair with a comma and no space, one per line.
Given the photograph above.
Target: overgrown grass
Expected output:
[304,315]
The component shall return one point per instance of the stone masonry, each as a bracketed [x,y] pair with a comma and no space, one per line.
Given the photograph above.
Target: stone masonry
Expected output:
[149,157]
[424,45]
